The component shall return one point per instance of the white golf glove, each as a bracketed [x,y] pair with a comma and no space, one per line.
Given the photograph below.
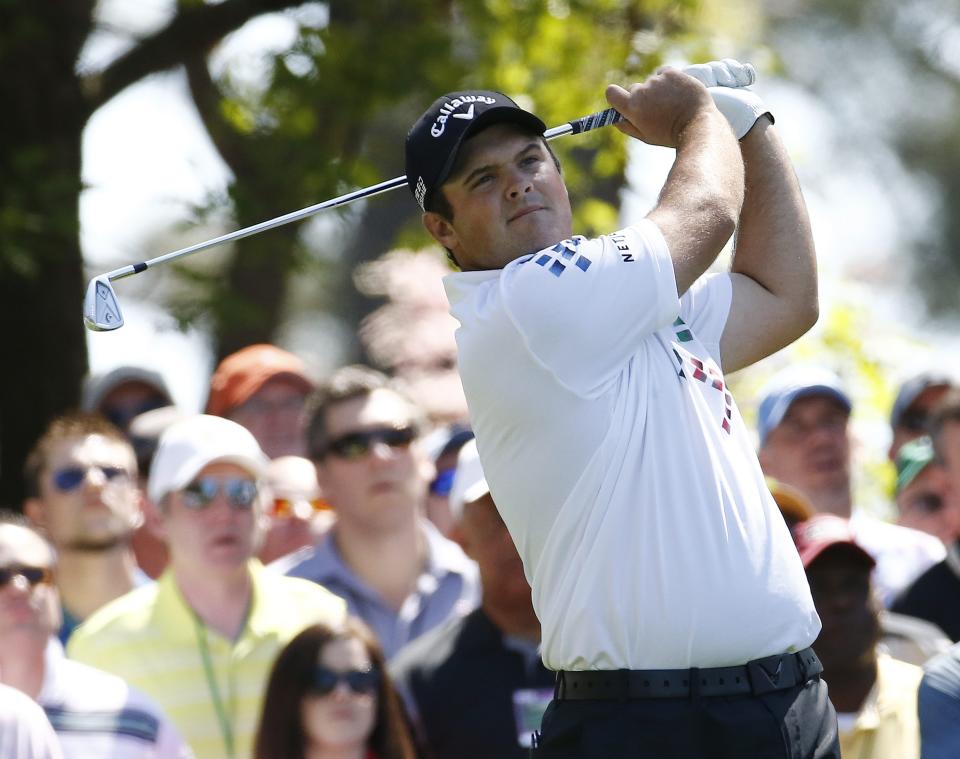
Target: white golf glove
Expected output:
[727,82]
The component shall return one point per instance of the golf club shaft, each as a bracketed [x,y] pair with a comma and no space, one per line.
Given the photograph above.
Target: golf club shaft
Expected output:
[577,126]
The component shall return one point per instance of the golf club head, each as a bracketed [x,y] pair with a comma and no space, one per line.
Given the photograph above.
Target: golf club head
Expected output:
[101,312]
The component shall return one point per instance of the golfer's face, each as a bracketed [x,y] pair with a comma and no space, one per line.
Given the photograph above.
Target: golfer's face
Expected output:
[508,199]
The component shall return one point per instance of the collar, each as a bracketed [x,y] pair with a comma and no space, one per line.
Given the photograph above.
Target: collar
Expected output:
[953,557]
[324,563]
[51,691]
[461,284]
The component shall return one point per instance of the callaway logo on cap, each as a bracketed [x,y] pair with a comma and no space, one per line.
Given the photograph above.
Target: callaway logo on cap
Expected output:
[433,142]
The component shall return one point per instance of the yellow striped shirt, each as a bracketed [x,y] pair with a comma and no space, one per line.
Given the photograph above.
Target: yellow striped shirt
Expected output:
[149,637]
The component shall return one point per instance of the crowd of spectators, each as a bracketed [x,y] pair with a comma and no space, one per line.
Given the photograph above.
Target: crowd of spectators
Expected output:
[318,568]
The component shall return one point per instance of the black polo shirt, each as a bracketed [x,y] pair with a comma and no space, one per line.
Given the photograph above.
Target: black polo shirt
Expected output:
[461,678]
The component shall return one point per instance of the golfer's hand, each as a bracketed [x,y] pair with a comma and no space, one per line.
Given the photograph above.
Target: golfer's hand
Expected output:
[657,110]
[726,81]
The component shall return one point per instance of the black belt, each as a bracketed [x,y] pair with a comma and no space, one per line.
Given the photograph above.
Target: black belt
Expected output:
[772,673]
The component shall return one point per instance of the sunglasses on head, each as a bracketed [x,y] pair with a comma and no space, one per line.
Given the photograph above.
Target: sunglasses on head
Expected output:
[354,445]
[33,575]
[240,493]
[70,478]
[360,681]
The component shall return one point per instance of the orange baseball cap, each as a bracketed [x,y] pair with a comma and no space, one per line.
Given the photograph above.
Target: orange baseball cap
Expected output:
[243,373]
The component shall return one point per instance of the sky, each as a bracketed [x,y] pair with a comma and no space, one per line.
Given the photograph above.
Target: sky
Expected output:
[146,160]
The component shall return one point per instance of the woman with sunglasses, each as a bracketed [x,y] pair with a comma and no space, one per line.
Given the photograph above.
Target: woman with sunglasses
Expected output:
[329,697]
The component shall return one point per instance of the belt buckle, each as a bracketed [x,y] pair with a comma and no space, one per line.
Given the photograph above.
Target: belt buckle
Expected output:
[770,674]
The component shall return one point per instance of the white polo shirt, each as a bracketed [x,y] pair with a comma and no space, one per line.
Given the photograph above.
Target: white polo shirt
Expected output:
[620,462]
[97,715]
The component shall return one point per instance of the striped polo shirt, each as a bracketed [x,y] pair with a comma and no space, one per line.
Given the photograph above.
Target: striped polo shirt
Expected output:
[150,638]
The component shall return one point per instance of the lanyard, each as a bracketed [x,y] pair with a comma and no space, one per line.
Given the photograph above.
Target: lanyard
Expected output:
[226,728]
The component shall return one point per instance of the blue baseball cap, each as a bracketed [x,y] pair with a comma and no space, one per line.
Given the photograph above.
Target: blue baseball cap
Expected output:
[789,385]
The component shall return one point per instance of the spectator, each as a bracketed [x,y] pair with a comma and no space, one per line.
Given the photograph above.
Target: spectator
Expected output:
[875,695]
[145,430]
[397,572]
[329,697]
[492,650]
[803,424]
[81,483]
[444,443]
[93,713]
[906,638]
[299,515]
[915,400]
[920,496]
[935,596]
[202,639]
[25,731]
[264,388]
[794,505]
[939,707]
[124,393]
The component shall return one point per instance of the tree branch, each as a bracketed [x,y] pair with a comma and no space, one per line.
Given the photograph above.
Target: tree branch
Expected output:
[195,27]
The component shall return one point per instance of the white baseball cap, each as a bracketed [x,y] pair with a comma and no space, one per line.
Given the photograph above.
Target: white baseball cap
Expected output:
[189,445]
[469,482]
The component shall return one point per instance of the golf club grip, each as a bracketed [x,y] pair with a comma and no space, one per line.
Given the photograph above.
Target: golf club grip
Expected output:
[595,120]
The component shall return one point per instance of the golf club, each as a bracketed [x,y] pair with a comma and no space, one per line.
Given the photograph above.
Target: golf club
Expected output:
[101,310]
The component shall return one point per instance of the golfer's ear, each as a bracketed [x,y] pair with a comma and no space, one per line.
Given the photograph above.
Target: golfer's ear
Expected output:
[441,230]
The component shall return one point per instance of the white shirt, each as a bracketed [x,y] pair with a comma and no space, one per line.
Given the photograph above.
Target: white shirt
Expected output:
[25,732]
[902,554]
[620,462]
[98,716]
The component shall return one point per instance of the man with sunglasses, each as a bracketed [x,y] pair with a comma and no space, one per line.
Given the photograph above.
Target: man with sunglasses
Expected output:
[81,484]
[396,571]
[203,639]
[92,712]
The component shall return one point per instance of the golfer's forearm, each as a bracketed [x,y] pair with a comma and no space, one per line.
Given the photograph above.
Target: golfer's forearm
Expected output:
[702,196]
[774,243]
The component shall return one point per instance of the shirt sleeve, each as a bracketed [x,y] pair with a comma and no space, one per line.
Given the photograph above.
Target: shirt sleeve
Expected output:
[583,307]
[704,308]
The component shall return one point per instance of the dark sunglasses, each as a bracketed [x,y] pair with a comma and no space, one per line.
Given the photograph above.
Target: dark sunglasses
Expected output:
[359,681]
[355,445]
[121,416]
[69,478]
[33,575]
[239,493]
[915,421]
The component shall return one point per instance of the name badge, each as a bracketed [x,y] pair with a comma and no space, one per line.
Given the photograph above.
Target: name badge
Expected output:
[529,704]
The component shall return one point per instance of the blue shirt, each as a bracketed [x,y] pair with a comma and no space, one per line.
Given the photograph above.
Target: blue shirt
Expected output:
[448,585]
[939,706]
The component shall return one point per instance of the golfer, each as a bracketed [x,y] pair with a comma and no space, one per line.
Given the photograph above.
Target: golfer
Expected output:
[673,604]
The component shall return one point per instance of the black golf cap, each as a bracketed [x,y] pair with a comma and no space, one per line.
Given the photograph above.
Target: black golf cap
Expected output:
[434,141]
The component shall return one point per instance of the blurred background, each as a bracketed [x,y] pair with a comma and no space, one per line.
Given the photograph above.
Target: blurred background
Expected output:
[132,129]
